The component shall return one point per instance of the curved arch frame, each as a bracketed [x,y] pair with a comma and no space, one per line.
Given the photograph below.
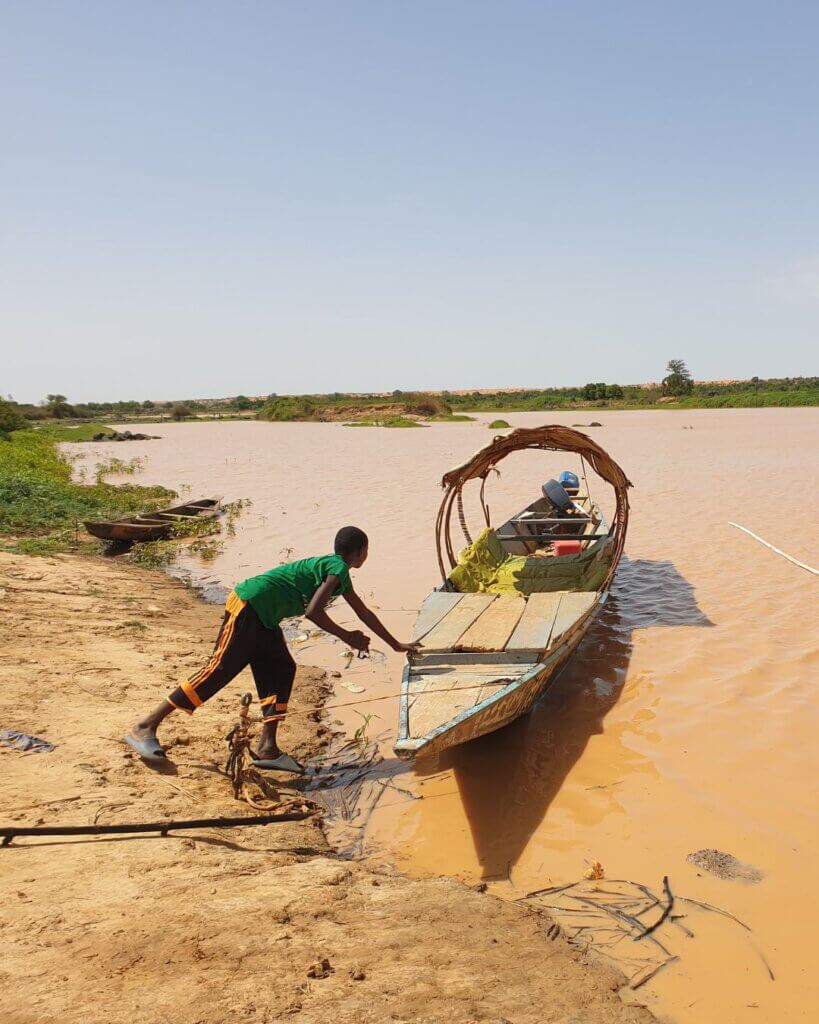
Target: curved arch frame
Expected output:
[553,437]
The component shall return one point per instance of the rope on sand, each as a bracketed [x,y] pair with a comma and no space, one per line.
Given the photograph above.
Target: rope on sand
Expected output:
[371,700]
[784,554]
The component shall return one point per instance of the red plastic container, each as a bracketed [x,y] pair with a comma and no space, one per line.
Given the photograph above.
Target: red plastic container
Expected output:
[566,547]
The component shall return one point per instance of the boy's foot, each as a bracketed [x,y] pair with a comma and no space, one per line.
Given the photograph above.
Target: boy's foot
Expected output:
[145,743]
[281,763]
[268,749]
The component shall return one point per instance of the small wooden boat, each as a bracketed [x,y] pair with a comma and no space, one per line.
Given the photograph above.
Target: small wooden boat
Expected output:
[516,603]
[155,525]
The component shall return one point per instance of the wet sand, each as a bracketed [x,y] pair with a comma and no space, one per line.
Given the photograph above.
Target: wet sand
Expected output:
[686,720]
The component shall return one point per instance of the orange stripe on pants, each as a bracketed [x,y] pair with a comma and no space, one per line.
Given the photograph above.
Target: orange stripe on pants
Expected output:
[233,606]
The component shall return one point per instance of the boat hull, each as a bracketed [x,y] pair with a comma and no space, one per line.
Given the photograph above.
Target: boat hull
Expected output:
[128,531]
[151,526]
[497,711]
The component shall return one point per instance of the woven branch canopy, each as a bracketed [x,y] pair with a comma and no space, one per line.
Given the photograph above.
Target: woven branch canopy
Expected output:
[548,438]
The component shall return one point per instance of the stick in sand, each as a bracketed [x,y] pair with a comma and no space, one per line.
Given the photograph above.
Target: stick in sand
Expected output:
[784,554]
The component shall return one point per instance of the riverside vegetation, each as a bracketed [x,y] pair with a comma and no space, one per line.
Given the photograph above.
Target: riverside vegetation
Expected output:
[42,508]
[677,390]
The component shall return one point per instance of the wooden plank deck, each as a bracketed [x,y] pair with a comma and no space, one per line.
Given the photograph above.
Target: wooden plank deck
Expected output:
[534,630]
[454,624]
[573,604]
[432,714]
[493,627]
[436,605]
[429,710]
[473,645]
[491,624]
[437,695]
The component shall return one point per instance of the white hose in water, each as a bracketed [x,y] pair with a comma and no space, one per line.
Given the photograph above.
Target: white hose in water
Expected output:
[784,554]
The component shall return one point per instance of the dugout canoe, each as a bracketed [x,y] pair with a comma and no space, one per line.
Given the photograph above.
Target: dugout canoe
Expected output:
[155,525]
[516,603]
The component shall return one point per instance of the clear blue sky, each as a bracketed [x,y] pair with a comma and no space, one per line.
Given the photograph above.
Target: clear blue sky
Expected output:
[211,198]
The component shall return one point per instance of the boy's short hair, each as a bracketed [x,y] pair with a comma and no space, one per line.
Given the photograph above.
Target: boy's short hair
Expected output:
[349,541]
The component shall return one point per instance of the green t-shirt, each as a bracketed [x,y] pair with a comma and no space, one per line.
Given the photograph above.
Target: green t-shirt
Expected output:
[286,590]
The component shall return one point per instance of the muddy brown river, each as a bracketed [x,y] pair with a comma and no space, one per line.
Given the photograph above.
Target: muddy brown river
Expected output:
[686,720]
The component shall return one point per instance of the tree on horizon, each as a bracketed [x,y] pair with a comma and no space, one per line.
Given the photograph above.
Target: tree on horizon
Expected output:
[678,380]
[58,407]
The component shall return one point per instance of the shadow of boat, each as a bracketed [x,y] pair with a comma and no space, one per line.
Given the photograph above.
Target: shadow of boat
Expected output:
[509,779]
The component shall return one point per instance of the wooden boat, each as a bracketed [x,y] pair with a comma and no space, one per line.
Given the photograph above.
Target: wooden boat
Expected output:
[155,525]
[510,611]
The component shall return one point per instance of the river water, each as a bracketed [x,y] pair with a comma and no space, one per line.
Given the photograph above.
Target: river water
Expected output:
[687,719]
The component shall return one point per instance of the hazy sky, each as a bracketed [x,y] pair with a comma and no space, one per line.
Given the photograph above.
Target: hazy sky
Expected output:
[211,198]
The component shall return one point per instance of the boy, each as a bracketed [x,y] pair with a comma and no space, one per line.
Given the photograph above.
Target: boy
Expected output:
[250,635]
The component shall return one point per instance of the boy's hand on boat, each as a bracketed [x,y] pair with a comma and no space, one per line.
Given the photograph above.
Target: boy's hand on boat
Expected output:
[358,641]
[411,648]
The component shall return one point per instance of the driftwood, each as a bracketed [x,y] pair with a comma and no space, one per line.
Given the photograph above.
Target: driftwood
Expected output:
[652,974]
[666,911]
[613,916]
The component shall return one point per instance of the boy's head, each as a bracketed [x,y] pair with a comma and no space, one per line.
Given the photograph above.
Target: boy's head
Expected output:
[352,544]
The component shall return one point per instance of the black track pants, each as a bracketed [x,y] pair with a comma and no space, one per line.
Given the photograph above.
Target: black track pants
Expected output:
[243,641]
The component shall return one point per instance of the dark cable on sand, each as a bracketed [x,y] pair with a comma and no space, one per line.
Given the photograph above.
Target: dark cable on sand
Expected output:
[163,827]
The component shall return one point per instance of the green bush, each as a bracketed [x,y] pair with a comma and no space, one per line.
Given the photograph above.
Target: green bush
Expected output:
[289,408]
[426,405]
[242,403]
[392,421]
[498,425]
[10,419]
[752,400]
[33,412]
[400,422]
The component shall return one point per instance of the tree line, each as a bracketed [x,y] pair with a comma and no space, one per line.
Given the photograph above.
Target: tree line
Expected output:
[677,386]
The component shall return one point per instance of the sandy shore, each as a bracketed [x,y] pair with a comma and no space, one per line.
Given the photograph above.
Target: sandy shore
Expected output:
[208,926]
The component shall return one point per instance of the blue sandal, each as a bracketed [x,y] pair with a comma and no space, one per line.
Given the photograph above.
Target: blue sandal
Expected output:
[282,763]
[149,750]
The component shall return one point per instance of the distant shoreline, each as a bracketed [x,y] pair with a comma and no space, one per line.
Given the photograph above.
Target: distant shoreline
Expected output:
[369,416]
[677,391]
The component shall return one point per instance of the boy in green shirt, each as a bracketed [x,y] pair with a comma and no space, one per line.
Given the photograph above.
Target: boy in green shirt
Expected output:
[250,635]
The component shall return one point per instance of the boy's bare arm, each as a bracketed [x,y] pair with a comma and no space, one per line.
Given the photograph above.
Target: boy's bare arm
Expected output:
[372,621]
[315,613]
